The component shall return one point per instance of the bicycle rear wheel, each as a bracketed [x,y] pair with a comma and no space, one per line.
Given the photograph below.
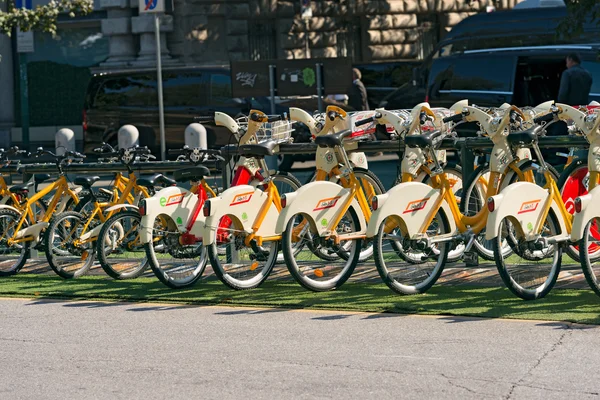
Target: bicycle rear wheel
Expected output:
[574,182]
[68,258]
[13,256]
[120,252]
[175,264]
[310,270]
[587,245]
[532,270]
[410,277]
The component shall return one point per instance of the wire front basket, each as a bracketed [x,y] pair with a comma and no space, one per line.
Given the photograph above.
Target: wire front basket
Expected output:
[278,131]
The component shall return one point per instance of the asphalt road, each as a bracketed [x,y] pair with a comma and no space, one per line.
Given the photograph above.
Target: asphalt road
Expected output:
[58,350]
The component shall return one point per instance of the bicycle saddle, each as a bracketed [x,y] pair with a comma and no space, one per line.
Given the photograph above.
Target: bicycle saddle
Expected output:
[191,174]
[422,141]
[153,180]
[525,137]
[24,188]
[39,178]
[86,181]
[333,140]
[258,150]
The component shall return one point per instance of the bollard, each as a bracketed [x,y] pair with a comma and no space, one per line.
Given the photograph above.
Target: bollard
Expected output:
[64,140]
[129,136]
[195,136]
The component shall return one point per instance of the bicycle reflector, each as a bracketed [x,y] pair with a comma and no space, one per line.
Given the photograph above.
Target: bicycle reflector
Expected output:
[578,205]
[283,201]
[142,208]
[206,208]
[374,203]
[491,205]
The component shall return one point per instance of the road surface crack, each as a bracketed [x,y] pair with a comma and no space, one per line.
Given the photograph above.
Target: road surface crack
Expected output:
[568,331]
[452,383]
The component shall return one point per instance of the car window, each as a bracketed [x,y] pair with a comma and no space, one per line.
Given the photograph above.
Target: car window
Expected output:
[134,91]
[220,88]
[440,75]
[483,73]
[185,89]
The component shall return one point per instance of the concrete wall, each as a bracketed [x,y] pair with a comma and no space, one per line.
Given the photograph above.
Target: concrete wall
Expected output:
[218,31]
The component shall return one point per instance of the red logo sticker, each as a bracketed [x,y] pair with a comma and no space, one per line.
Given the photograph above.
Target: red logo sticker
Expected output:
[326,203]
[175,199]
[416,205]
[529,206]
[241,198]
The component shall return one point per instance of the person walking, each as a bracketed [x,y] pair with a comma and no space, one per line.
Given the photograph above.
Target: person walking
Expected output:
[575,83]
[357,98]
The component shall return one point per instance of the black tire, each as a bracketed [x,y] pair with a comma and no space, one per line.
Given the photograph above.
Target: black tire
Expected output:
[572,169]
[352,253]
[590,266]
[185,258]
[119,268]
[66,258]
[407,284]
[473,200]
[12,265]
[367,246]
[261,259]
[512,278]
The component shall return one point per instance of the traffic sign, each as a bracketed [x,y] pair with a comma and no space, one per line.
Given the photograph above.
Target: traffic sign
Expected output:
[155,6]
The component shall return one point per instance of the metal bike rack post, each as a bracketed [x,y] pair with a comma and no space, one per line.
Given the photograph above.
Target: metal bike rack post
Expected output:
[64,141]
[128,136]
[195,136]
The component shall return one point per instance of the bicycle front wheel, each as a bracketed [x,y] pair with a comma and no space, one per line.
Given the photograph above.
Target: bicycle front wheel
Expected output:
[175,264]
[426,263]
[120,252]
[66,255]
[587,246]
[532,270]
[13,256]
[310,270]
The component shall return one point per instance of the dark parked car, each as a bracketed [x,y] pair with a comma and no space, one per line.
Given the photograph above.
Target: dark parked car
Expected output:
[507,56]
[130,97]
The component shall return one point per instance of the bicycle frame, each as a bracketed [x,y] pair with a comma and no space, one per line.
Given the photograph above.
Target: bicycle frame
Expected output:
[414,205]
[57,205]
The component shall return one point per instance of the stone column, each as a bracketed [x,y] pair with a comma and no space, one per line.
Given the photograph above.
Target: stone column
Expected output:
[117,26]
[144,26]
[7,109]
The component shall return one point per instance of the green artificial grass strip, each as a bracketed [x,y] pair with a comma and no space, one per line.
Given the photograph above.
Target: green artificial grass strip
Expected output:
[579,306]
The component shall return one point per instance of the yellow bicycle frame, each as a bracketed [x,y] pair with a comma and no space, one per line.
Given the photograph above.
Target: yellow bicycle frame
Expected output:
[62,189]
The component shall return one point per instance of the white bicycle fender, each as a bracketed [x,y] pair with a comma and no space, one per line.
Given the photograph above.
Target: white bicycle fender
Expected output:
[523,202]
[589,210]
[9,207]
[318,200]
[358,159]
[411,202]
[176,202]
[242,204]
[122,206]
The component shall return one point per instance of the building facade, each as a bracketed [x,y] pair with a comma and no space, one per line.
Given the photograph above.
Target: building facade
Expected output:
[116,36]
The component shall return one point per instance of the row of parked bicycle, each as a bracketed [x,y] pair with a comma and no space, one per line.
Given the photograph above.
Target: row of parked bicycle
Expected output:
[516,211]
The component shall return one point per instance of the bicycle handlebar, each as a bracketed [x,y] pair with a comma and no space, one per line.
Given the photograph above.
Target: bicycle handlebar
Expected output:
[544,118]
[368,120]
[453,118]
